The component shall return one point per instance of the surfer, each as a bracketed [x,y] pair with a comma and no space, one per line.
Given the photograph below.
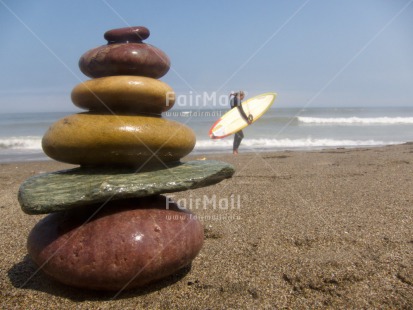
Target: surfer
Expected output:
[235,102]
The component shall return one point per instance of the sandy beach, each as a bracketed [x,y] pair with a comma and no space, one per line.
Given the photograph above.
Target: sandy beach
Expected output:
[317,229]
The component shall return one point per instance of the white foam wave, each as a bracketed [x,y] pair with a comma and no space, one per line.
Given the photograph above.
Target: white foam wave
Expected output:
[356,120]
[21,143]
[35,143]
[289,143]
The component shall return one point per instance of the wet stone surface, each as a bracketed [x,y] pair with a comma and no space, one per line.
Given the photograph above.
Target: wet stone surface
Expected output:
[121,245]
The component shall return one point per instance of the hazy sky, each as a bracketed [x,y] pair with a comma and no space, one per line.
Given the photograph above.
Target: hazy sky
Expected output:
[311,52]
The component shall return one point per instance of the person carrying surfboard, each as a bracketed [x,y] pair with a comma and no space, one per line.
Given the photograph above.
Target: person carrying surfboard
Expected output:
[235,102]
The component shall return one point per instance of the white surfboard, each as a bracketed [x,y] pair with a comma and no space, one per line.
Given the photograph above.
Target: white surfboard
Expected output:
[232,121]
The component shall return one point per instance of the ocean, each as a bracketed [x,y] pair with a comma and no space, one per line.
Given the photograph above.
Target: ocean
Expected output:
[279,129]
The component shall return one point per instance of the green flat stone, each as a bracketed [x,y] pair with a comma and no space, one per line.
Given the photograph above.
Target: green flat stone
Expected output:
[66,189]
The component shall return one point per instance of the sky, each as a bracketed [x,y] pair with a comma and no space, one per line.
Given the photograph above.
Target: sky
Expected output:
[312,53]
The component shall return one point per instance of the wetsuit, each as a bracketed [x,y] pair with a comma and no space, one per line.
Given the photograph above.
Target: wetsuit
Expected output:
[236,102]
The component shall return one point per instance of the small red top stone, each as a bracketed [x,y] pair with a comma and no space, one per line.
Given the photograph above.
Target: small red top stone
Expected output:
[134,34]
[125,54]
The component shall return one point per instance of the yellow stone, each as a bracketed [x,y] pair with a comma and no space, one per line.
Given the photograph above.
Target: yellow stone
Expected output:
[90,139]
[131,94]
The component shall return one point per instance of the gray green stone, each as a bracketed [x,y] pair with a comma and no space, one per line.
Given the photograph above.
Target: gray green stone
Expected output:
[66,189]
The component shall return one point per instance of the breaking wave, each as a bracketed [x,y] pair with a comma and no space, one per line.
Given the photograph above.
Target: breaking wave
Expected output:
[356,120]
[216,145]
[21,143]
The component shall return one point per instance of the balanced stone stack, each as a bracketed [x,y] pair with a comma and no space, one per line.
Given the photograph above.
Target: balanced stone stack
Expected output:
[109,227]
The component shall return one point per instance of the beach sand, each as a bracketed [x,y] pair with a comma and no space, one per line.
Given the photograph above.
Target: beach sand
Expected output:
[293,229]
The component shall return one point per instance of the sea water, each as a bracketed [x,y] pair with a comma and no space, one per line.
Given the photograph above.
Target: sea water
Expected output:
[308,129]
[279,129]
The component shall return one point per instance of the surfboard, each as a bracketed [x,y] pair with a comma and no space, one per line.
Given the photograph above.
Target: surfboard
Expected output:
[232,121]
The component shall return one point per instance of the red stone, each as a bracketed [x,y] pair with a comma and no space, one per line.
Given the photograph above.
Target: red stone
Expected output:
[125,59]
[127,34]
[126,244]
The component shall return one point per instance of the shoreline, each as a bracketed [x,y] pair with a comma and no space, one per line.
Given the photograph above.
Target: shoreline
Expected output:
[329,228]
[41,157]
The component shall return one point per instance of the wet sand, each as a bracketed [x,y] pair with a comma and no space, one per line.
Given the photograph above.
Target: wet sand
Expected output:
[326,229]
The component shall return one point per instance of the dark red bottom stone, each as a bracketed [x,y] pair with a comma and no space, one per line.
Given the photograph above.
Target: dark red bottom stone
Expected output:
[126,244]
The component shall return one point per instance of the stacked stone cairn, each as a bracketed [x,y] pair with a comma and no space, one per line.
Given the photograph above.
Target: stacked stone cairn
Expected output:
[109,227]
